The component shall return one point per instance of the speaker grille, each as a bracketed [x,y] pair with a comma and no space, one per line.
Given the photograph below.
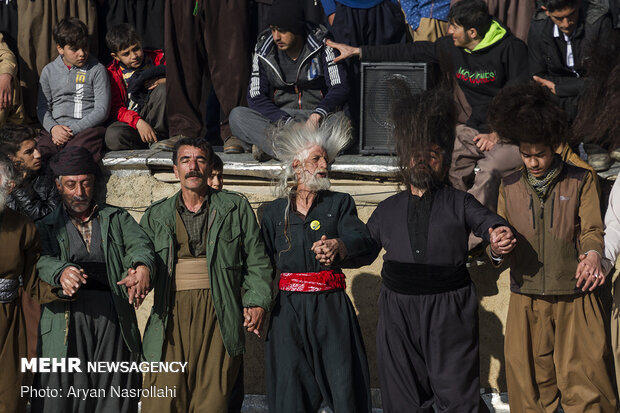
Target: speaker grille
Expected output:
[382,85]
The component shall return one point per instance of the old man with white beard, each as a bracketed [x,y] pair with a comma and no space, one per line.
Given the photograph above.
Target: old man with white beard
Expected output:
[18,256]
[314,349]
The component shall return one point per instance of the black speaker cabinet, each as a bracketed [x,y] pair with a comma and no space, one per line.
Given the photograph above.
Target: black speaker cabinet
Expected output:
[382,84]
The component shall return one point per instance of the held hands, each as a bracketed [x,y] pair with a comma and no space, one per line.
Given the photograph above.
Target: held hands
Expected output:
[502,240]
[345,50]
[486,141]
[147,133]
[546,83]
[589,272]
[6,91]
[61,134]
[71,279]
[326,250]
[253,319]
[137,282]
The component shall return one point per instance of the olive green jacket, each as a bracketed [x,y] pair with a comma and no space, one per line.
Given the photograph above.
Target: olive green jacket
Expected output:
[125,245]
[236,259]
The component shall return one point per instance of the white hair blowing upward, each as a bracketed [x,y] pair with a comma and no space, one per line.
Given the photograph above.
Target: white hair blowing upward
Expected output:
[293,141]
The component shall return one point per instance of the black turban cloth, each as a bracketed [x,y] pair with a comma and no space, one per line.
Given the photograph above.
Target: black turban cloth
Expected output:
[72,161]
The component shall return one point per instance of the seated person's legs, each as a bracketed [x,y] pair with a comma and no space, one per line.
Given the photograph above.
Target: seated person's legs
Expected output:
[496,163]
[251,128]
[119,136]
[464,158]
[154,112]
[90,138]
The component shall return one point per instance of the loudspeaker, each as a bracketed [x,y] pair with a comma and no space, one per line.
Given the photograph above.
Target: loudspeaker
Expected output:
[383,84]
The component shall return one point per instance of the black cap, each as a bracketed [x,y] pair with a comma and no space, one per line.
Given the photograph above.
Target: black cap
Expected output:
[288,15]
[72,161]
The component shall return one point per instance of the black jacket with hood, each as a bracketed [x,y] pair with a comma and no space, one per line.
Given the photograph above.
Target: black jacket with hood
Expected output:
[499,59]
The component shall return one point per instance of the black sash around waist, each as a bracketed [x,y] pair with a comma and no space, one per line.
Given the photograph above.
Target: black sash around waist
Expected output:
[97,276]
[418,279]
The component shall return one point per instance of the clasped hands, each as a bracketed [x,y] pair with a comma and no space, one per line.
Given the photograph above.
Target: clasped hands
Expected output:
[589,272]
[502,240]
[137,282]
[326,250]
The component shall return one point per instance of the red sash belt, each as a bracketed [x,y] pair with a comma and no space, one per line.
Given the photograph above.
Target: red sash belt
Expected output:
[312,281]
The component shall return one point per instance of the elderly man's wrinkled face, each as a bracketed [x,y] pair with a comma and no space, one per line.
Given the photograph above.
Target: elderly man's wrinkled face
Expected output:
[312,173]
[76,192]
[427,167]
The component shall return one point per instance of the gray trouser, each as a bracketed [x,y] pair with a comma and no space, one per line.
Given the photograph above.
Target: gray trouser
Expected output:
[494,164]
[121,136]
[252,128]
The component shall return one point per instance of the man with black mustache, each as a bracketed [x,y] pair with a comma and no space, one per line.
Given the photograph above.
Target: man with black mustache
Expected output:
[209,248]
[427,336]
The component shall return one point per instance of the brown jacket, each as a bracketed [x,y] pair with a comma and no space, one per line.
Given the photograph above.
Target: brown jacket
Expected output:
[8,65]
[20,251]
[551,235]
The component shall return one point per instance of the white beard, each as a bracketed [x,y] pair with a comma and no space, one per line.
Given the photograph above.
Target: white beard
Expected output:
[315,184]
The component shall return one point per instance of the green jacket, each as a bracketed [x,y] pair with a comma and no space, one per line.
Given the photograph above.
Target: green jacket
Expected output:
[235,258]
[124,245]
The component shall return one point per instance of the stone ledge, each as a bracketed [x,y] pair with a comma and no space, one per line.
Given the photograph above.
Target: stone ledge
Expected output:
[362,167]
[346,166]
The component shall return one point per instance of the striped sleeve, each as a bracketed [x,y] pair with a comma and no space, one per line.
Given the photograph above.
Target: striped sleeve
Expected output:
[336,81]
[258,93]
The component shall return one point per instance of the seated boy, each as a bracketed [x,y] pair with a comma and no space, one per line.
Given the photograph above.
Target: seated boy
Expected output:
[138,87]
[216,179]
[74,95]
[556,348]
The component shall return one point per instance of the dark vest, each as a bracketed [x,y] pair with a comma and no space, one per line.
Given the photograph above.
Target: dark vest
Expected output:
[93,261]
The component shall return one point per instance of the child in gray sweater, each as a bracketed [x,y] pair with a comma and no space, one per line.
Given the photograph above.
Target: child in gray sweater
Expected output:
[74,95]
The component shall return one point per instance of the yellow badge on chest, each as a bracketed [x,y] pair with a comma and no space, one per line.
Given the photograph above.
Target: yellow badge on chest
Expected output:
[315,225]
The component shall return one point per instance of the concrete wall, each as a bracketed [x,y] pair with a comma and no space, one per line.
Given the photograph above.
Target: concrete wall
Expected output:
[135,192]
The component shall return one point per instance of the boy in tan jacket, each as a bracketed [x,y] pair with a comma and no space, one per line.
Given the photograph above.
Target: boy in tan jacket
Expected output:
[556,347]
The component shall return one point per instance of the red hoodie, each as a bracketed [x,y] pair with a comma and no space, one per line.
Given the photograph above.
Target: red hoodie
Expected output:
[118,89]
